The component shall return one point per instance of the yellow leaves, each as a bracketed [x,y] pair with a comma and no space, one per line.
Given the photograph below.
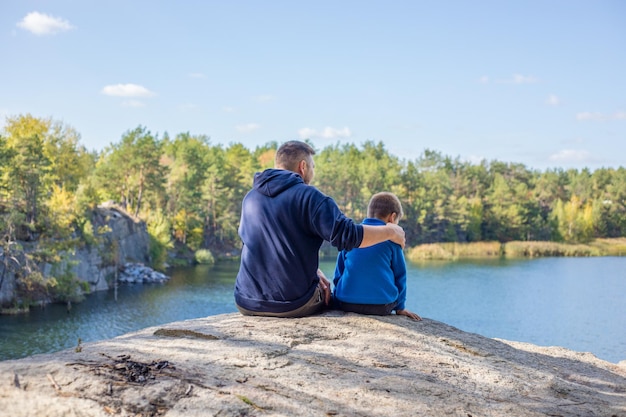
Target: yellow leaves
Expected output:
[24,126]
[188,229]
[266,159]
[62,210]
[575,219]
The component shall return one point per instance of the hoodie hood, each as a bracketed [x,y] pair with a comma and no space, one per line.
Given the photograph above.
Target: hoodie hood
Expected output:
[272,182]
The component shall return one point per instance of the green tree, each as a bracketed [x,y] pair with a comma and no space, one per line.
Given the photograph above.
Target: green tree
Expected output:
[132,169]
[27,173]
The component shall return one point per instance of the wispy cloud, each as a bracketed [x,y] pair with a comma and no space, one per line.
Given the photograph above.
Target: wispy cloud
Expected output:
[248,128]
[518,79]
[475,159]
[264,98]
[514,79]
[43,24]
[127,90]
[600,117]
[196,75]
[307,133]
[523,79]
[228,109]
[326,133]
[572,156]
[553,100]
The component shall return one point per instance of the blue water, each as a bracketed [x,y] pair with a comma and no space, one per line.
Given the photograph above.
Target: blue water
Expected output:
[578,303]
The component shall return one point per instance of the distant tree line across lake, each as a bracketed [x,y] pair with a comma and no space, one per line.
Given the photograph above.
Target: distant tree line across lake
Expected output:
[189,191]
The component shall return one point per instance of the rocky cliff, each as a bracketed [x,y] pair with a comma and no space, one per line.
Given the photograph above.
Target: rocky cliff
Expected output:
[334,364]
[119,239]
[125,240]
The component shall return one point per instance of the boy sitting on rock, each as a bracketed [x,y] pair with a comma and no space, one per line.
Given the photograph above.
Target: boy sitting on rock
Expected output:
[372,280]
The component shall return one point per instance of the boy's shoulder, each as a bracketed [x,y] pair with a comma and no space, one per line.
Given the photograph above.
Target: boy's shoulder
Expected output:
[372,221]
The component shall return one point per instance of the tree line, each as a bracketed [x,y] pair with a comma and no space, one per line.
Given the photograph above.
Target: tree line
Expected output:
[189,190]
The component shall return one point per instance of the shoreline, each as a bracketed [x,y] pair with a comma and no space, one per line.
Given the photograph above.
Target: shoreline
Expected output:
[453,251]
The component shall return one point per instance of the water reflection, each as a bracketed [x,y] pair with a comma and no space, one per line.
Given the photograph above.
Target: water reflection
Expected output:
[191,293]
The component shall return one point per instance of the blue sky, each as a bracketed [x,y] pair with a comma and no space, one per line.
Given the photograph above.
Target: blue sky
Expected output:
[541,83]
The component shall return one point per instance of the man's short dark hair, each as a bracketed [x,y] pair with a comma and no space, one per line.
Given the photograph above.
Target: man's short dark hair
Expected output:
[290,153]
[383,204]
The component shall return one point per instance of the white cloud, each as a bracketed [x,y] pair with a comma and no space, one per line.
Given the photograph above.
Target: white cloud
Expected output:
[127,90]
[475,159]
[247,128]
[523,79]
[332,133]
[553,100]
[326,133]
[571,155]
[483,80]
[228,109]
[264,98]
[197,75]
[307,133]
[519,79]
[590,116]
[600,117]
[43,24]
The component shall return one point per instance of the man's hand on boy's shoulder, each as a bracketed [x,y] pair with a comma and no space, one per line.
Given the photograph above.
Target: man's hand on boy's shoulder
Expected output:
[399,235]
[408,314]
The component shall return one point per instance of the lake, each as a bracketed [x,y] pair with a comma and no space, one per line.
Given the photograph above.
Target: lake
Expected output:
[577,303]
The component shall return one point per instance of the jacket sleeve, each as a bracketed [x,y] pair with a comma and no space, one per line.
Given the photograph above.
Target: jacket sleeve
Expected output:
[398,266]
[332,225]
[339,267]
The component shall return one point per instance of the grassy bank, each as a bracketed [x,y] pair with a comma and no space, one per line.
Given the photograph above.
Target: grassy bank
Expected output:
[515,249]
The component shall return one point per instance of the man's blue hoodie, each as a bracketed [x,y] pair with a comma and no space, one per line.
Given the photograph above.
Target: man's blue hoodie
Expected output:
[283,224]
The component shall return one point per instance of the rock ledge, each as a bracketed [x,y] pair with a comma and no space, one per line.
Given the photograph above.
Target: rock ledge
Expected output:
[335,364]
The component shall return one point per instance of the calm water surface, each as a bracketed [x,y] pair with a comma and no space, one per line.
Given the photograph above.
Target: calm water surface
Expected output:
[578,303]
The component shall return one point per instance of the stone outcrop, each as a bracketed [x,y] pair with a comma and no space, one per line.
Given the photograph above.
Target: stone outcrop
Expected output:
[122,239]
[125,241]
[334,364]
[135,273]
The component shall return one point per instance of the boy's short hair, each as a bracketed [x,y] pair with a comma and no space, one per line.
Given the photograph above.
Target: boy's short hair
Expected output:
[383,204]
[290,153]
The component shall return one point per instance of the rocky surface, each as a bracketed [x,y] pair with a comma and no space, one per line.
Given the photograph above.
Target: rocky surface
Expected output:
[335,364]
[122,240]
[134,273]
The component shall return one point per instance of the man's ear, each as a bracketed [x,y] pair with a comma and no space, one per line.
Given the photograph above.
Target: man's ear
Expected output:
[301,167]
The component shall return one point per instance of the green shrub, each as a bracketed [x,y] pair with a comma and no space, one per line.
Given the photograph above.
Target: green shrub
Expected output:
[160,240]
[427,252]
[610,246]
[65,286]
[454,250]
[204,256]
[533,249]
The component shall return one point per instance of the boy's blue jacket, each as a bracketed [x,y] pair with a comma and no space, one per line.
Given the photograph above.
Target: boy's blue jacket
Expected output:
[283,224]
[372,275]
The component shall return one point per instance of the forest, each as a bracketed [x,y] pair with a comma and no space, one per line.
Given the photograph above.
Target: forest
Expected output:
[189,191]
